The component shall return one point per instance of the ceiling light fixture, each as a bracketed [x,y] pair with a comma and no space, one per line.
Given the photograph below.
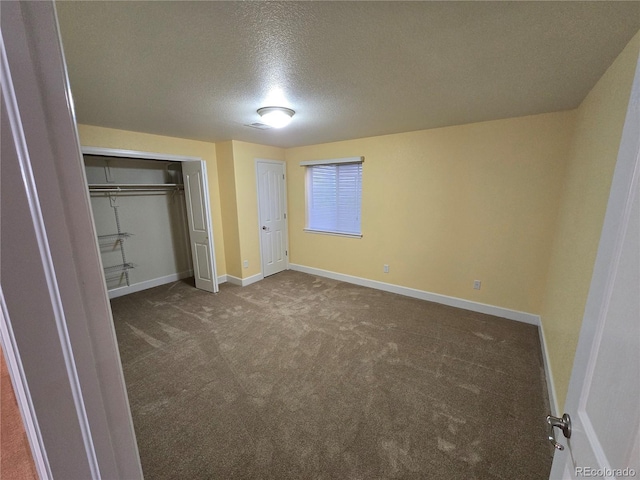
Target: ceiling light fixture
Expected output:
[276,117]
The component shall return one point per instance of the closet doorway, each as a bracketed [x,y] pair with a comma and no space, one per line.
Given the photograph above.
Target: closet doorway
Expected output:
[152,217]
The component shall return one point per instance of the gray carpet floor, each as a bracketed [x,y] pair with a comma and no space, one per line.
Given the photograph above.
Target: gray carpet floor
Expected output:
[302,377]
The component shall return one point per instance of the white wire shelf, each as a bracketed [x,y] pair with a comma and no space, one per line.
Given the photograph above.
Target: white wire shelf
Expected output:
[118,269]
[113,238]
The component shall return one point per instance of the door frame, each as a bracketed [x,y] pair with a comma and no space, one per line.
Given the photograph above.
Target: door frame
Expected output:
[140,155]
[257,162]
[8,342]
[91,416]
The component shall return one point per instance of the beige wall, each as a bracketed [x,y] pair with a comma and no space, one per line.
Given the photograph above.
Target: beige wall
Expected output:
[446,207]
[600,119]
[93,136]
[226,176]
[244,156]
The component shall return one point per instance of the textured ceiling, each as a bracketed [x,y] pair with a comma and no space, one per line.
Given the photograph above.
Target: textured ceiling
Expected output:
[200,70]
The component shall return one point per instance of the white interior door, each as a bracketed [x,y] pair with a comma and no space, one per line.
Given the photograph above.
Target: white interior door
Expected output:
[200,235]
[272,203]
[604,392]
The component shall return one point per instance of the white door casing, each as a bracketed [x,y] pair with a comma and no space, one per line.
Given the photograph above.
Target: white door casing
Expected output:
[199,186]
[605,382]
[204,271]
[272,208]
[199,207]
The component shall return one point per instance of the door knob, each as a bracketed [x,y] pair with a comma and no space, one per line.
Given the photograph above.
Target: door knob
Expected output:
[563,424]
[264,228]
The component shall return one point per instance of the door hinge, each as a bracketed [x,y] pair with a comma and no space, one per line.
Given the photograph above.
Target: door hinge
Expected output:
[283,176]
[285,215]
[286,253]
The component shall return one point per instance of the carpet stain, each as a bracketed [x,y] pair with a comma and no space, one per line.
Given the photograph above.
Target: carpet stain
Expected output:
[483,336]
[472,388]
[154,342]
[398,457]
[445,446]
[174,333]
[156,303]
[153,406]
[471,458]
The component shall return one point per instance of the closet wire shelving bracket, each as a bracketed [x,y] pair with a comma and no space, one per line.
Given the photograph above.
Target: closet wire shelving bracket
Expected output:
[113,238]
[117,269]
[118,239]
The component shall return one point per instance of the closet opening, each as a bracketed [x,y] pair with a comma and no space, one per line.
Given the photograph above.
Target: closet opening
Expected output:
[152,218]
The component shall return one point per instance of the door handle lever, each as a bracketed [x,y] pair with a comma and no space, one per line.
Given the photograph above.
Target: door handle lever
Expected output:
[563,424]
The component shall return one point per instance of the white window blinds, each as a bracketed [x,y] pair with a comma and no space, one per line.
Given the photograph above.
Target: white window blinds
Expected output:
[334,197]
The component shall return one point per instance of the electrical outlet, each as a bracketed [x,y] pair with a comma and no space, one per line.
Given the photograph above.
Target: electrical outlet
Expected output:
[385,268]
[476,284]
[245,264]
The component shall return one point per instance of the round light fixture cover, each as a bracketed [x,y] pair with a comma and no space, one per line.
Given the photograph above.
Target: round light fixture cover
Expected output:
[276,117]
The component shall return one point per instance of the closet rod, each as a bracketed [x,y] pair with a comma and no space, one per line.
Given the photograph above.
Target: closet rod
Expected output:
[129,187]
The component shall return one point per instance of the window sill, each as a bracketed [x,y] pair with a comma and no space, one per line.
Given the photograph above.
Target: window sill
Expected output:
[337,234]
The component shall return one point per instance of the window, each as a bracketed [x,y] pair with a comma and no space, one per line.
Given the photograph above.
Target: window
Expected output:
[334,196]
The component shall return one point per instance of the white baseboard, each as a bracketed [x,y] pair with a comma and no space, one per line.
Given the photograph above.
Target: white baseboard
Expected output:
[243,282]
[234,280]
[154,282]
[222,279]
[553,399]
[253,279]
[423,295]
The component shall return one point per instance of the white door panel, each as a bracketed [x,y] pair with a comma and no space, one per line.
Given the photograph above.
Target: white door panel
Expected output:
[602,400]
[201,265]
[199,226]
[272,211]
[194,182]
